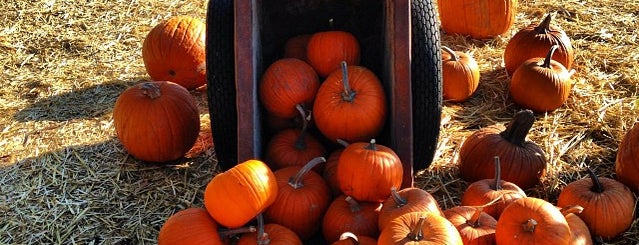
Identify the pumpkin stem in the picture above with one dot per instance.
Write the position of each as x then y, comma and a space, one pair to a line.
372, 146
497, 173
572, 209
349, 235
519, 127
416, 234
296, 181
235, 231
549, 56
348, 94
399, 201
530, 225
342, 142
300, 143
453, 55
474, 219
596, 184
150, 89
262, 237
353, 204
544, 25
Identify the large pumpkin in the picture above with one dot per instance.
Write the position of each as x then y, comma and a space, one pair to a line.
191, 226
627, 163
174, 50
532, 220
477, 18
237, 195
156, 121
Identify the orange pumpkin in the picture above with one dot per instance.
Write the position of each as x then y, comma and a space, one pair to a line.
285, 84
191, 226
174, 50
475, 226
326, 50
477, 18
345, 214
329, 172
236, 196
530, 220
578, 228
156, 121
350, 105
269, 234
420, 228
407, 200
460, 74
627, 162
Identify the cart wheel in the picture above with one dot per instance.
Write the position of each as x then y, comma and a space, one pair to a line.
426, 84
220, 76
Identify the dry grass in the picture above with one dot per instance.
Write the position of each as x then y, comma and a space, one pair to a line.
65, 179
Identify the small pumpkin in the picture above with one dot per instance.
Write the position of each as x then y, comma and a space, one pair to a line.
295, 47
531, 220
420, 228
407, 200
368, 171
535, 41
350, 105
269, 234
460, 74
608, 205
236, 196
329, 172
477, 18
523, 162
541, 85
578, 228
483, 191
286, 83
156, 121
345, 214
348, 238
326, 50
627, 162
174, 50
191, 226
302, 200
475, 226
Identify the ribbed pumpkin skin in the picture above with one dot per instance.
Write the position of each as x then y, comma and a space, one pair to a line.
477, 18
286, 83
483, 233
341, 217
460, 76
325, 51
627, 163
417, 200
156, 121
538, 88
191, 226
436, 230
174, 50
278, 235
282, 152
551, 229
236, 196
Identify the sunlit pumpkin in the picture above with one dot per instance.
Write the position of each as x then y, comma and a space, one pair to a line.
460, 74
531, 220
477, 18
627, 162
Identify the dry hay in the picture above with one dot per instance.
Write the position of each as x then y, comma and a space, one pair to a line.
65, 179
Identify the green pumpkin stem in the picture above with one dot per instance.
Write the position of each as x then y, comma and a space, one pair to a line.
348, 94
544, 25
596, 184
530, 225
497, 174
453, 55
353, 204
372, 146
519, 127
349, 235
300, 143
235, 231
262, 236
296, 181
151, 90
399, 201
416, 234
548, 58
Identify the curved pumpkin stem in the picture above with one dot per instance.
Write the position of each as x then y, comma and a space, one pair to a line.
572, 209
353, 204
544, 25
497, 174
453, 55
296, 181
519, 127
372, 146
342, 142
549, 56
530, 225
349, 235
300, 143
150, 89
416, 233
262, 236
348, 94
235, 231
397, 198
474, 220
596, 184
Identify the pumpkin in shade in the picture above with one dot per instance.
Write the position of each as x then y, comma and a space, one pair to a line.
191, 226
530, 220
350, 105
269, 234
368, 171
535, 41
608, 205
345, 214
475, 226
286, 83
407, 200
236, 196
419, 228
329, 172
348, 238
627, 162
541, 84
326, 50
483, 191
174, 50
302, 199
578, 228
479, 19
460, 75
522, 161
156, 121
295, 47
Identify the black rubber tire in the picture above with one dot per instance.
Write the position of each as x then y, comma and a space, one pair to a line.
426, 75
220, 75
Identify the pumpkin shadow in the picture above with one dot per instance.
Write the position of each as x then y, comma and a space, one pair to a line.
94, 101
